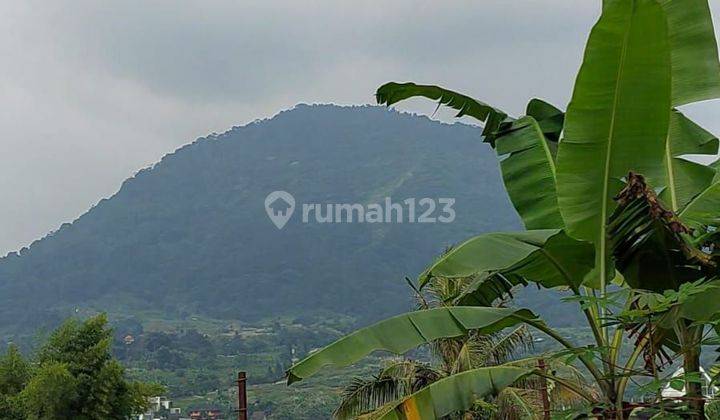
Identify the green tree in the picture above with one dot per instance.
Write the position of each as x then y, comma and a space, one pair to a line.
51, 393
563, 172
74, 377
14, 376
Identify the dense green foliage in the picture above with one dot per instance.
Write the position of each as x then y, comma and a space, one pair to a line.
73, 376
190, 235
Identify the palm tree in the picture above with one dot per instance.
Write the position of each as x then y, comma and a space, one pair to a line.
401, 378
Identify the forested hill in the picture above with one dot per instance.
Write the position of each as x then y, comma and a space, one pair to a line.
190, 235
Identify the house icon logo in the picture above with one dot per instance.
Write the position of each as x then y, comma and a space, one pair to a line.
279, 206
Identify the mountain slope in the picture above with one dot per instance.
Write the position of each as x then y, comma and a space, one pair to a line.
190, 235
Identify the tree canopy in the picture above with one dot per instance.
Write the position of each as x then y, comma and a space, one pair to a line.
73, 376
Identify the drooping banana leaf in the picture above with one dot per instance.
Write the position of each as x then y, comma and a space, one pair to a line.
650, 244
487, 252
693, 51
530, 145
685, 179
452, 394
561, 262
487, 288
548, 257
549, 118
617, 119
528, 170
407, 331
716, 165
392, 92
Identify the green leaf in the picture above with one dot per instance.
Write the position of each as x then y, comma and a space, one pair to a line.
528, 171
703, 307
547, 257
703, 210
693, 51
391, 93
455, 393
561, 261
549, 118
685, 179
487, 252
487, 288
530, 145
407, 331
617, 119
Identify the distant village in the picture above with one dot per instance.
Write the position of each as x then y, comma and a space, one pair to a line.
161, 408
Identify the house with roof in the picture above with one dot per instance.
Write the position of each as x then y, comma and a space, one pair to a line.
280, 207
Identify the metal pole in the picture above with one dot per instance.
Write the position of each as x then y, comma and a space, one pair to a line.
544, 391
242, 396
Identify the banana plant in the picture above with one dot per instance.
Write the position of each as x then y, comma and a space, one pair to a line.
563, 171
659, 254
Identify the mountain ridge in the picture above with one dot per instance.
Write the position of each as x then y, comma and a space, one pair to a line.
189, 234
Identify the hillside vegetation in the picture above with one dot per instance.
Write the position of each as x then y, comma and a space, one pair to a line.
190, 235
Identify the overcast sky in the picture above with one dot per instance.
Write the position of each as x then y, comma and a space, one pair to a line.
92, 91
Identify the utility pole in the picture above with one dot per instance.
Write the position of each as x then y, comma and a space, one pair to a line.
242, 396
544, 390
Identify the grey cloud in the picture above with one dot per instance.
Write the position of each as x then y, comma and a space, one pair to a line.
94, 91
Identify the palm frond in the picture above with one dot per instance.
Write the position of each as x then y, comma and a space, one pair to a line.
518, 404
443, 291
396, 381
501, 348
365, 395
463, 360
451, 354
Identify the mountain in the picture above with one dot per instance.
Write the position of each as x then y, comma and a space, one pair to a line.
190, 235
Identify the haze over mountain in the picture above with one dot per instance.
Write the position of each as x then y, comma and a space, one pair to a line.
190, 235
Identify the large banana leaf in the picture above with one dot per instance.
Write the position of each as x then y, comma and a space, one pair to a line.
693, 51
486, 253
561, 262
685, 179
702, 307
528, 170
547, 257
617, 120
391, 93
452, 394
407, 331
704, 209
